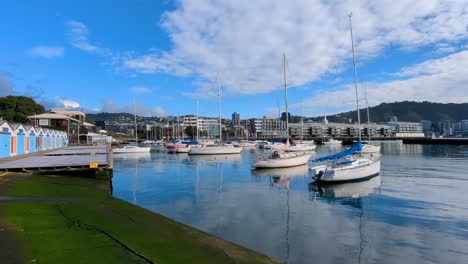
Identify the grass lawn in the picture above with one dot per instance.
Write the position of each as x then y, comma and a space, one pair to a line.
78, 221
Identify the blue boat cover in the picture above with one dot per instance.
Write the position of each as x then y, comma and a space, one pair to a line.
356, 147
190, 142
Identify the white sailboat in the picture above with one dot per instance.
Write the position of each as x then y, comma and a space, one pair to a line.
283, 160
133, 148
344, 166
302, 145
220, 148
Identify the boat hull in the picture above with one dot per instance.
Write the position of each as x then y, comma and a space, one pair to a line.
282, 162
350, 174
215, 150
131, 150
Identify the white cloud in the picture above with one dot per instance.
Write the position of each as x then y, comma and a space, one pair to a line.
47, 52
158, 111
140, 90
109, 106
441, 80
67, 103
244, 40
6, 86
79, 37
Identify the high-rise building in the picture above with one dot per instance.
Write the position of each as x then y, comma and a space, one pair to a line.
392, 119
426, 126
235, 121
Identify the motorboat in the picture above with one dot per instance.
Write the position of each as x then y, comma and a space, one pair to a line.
183, 149
214, 149
131, 149
297, 147
332, 141
245, 144
282, 160
278, 146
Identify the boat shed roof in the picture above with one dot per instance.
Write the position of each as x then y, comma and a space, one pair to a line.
52, 116
67, 112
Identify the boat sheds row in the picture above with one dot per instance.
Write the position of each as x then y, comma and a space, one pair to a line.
19, 139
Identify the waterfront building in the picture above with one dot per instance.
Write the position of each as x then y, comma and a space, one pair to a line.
447, 127
31, 138
70, 121
464, 127
407, 129
190, 120
5, 139
18, 139
426, 126
235, 120
268, 127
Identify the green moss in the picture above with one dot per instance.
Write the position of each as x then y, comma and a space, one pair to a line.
82, 223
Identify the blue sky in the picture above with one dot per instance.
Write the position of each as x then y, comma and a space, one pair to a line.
100, 55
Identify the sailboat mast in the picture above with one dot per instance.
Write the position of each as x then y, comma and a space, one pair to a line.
302, 125
286, 96
219, 107
136, 126
197, 120
368, 115
355, 78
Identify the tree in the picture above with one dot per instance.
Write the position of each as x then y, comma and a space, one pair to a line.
18, 108
190, 131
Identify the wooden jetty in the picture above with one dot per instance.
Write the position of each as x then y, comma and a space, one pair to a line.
74, 158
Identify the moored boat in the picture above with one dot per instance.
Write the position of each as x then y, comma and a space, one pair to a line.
214, 149
131, 149
282, 160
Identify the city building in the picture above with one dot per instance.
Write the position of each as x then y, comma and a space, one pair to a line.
70, 121
392, 119
235, 121
268, 127
407, 129
426, 126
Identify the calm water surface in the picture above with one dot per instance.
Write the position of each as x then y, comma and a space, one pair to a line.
416, 211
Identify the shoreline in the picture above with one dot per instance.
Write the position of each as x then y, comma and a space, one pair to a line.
57, 219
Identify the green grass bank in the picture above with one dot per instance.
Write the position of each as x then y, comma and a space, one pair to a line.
63, 219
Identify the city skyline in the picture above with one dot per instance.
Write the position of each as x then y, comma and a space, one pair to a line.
166, 55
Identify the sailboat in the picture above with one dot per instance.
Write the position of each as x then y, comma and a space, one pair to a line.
283, 160
220, 148
302, 145
345, 166
132, 148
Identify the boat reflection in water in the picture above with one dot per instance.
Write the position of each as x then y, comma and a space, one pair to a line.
281, 179
283, 173
345, 190
132, 156
215, 158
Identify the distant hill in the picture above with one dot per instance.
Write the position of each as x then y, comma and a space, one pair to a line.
406, 111
107, 116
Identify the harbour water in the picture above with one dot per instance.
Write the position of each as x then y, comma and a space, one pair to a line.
416, 211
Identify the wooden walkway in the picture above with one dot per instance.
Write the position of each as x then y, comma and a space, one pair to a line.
70, 157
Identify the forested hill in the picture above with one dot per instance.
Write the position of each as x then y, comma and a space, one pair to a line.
407, 111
